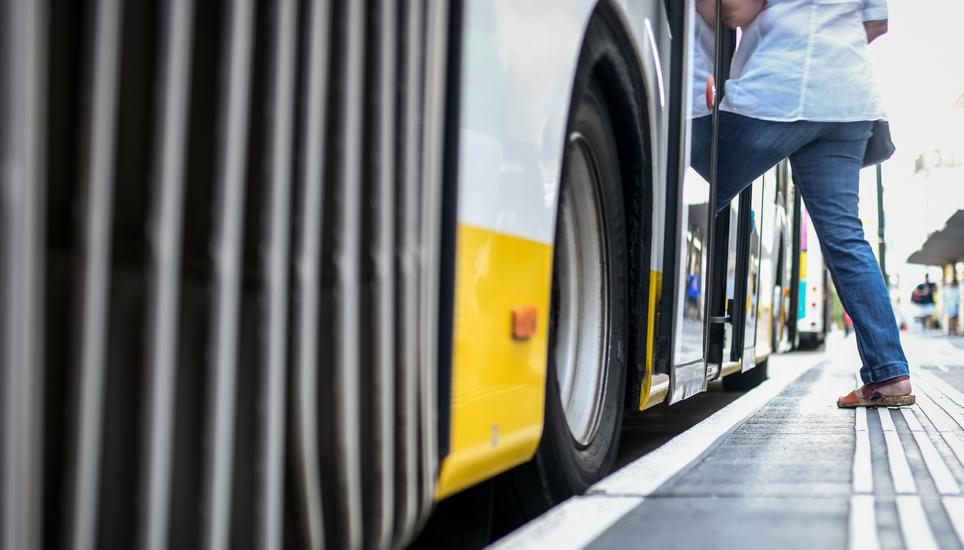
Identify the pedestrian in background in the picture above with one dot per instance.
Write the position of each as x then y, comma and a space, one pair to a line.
694, 289
801, 87
952, 304
923, 296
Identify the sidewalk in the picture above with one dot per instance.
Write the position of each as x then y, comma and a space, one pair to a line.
798, 472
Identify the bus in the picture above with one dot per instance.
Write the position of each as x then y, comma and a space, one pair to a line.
298, 273
813, 315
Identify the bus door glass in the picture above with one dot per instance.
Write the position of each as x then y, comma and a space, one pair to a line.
687, 286
725, 259
738, 264
770, 293
717, 259
744, 257
760, 214
780, 258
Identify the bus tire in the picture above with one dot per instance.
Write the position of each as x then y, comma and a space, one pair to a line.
745, 381
580, 438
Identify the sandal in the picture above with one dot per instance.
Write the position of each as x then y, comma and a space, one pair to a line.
851, 401
873, 397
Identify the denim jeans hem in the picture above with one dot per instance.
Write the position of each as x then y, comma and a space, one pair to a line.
885, 372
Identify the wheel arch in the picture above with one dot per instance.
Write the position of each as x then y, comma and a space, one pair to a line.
617, 67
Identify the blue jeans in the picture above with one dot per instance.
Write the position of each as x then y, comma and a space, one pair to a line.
826, 158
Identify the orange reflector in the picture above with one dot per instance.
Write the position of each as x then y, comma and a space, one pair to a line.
524, 322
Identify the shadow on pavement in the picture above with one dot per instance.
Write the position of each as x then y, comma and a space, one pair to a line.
647, 430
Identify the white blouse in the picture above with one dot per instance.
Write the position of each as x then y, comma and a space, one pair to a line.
806, 60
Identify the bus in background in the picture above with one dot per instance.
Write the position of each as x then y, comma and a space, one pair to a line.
813, 311
776, 264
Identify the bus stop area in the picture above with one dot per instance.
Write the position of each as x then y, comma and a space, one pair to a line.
783, 467
944, 249
404, 275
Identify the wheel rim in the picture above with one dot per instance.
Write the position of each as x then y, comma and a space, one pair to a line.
582, 316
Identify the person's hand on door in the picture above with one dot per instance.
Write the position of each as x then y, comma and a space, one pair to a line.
740, 13
736, 13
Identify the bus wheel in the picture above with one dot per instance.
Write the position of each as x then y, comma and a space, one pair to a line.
588, 318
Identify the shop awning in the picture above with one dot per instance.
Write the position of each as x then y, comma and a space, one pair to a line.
944, 246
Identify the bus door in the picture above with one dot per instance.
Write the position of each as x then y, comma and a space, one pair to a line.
735, 270
695, 289
748, 256
735, 255
680, 347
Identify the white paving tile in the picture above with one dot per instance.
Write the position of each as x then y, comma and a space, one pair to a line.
913, 524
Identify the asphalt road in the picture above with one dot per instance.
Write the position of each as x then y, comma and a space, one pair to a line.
782, 467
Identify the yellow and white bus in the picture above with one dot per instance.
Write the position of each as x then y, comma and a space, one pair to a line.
576, 202
291, 272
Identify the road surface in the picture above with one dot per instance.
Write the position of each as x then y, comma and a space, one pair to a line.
782, 467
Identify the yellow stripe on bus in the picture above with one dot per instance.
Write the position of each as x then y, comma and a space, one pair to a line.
655, 293
498, 383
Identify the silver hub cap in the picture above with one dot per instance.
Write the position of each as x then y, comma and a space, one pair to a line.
582, 320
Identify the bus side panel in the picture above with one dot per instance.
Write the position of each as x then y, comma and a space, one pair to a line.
498, 390
518, 67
